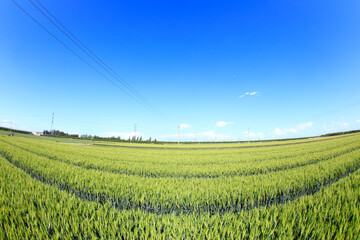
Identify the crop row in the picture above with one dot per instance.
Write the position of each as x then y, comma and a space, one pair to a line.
218, 145
32, 210
186, 157
245, 168
181, 195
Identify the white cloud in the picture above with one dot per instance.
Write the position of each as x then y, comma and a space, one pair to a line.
279, 132
254, 135
357, 121
334, 126
211, 134
202, 136
6, 123
304, 125
223, 124
121, 135
299, 127
184, 125
248, 93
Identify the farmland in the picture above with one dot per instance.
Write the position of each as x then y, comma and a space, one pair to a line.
291, 189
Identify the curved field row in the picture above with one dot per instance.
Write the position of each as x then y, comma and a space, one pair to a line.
123, 204
249, 167
219, 145
151, 170
32, 210
170, 195
186, 158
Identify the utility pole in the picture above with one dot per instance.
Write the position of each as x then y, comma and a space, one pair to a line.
52, 125
178, 134
11, 128
248, 134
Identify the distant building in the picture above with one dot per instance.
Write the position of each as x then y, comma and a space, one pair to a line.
37, 133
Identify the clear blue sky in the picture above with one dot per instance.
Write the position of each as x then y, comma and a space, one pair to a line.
282, 68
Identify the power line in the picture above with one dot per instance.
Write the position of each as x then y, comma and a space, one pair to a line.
88, 52
81, 58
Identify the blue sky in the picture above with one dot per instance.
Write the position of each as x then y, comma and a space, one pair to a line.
282, 68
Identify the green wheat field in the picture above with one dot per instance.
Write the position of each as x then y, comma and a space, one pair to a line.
303, 189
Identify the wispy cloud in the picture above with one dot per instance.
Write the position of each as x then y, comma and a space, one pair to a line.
248, 94
357, 121
298, 128
184, 125
223, 124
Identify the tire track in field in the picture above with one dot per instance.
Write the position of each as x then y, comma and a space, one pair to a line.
153, 175
126, 204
